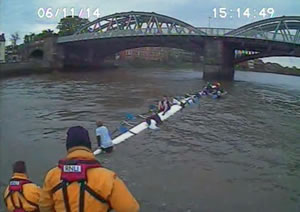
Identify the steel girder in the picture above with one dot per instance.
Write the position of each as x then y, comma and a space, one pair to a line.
137, 23
285, 28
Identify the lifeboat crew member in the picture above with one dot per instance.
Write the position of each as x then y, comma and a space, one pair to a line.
21, 195
80, 183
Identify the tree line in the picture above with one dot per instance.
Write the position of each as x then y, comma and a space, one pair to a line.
66, 26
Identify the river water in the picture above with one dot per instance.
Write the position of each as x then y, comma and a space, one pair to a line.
239, 153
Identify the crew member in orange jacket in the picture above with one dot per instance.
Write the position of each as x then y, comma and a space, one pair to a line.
79, 183
21, 194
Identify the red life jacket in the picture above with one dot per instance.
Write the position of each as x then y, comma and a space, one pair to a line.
76, 171
16, 185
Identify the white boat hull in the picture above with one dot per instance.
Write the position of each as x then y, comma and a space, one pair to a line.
143, 125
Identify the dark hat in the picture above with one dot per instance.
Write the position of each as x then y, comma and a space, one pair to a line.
99, 123
78, 136
19, 167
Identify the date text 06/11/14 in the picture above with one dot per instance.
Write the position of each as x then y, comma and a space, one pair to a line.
64, 12
224, 12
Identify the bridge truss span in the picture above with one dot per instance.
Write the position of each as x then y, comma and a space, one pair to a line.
137, 22
132, 24
285, 29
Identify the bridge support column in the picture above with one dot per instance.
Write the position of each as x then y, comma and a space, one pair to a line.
89, 57
218, 60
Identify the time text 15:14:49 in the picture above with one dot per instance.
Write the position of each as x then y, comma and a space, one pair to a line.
223, 12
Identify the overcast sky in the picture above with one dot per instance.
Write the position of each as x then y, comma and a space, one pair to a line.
22, 15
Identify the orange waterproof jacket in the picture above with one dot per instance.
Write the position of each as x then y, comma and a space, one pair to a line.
27, 198
101, 181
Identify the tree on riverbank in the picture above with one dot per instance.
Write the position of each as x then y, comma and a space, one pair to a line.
34, 37
14, 38
44, 34
69, 25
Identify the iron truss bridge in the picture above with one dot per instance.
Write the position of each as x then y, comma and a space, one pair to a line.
138, 24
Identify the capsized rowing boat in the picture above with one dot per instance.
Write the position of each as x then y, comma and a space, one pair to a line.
177, 106
143, 125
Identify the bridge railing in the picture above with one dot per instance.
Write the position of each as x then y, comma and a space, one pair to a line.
215, 31
258, 34
255, 34
127, 33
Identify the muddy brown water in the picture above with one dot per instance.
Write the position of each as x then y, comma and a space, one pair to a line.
239, 153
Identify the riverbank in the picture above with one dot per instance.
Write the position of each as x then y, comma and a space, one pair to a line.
35, 67
262, 67
274, 68
22, 68
271, 72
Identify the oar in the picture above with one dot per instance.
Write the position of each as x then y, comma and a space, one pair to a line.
121, 129
125, 129
127, 123
132, 117
182, 104
118, 129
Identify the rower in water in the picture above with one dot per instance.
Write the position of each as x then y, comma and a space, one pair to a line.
103, 138
164, 105
218, 91
153, 121
216, 86
209, 87
205, 90
216, 94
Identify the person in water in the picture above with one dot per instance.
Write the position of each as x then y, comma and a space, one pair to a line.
164, 105
205, 90
103, 138
218, 91
154, 117
209, 87
217, 94
216, 86
21, 194
80, 183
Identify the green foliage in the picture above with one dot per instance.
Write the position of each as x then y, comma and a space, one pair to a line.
69, 25
35, 37
26, 39
44, 34
29, 38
